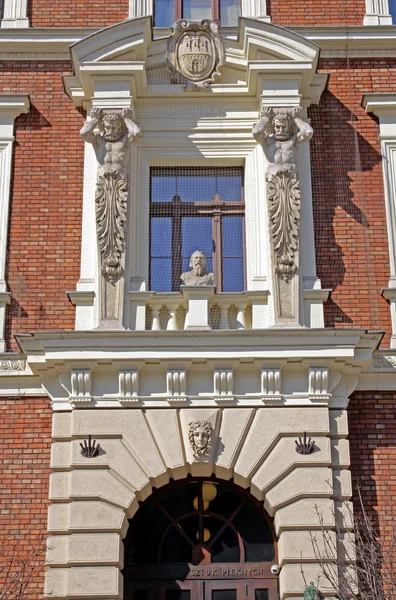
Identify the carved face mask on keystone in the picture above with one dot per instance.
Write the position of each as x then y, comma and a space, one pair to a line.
112, 128
201, 438
282, 128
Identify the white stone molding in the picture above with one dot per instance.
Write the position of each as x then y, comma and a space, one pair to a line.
15, 14
84, 303
271, 384
128, 380
288, 177
223, 385
318, 383
237, 356
384, 107
255, 9
334, 41
314, 298
197, 316
11, 106
91, 501
377, 13
141, 8
176, 385
8, 366
81, 387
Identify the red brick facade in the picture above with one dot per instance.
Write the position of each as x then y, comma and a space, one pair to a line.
102, 13
372, 438
25, 440
348, 195
316, 13
69, 13
46, 200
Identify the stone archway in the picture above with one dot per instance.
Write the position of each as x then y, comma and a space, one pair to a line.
203, 539
92, 499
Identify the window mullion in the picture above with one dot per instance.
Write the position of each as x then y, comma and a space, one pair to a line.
176, 251
178, 9
217, 252
216, 11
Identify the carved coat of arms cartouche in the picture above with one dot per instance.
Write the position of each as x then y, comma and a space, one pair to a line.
195, 50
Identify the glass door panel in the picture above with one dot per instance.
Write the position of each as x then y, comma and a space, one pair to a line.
179, 590
224, 590
264, 589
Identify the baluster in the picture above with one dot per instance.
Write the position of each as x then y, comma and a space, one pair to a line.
172, 322
156, 324
241, 316
224, 323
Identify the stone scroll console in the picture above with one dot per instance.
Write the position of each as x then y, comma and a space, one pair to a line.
111, 133
280, 132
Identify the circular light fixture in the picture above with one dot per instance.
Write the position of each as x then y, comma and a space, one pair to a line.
206, 535
209, 491
195, 504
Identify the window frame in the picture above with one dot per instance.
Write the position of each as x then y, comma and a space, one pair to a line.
217, 209
178, 11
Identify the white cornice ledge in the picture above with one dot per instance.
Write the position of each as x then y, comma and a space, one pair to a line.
379, 103
389, 293
358, 40
317, 294
78, 298
5, 298
12, 105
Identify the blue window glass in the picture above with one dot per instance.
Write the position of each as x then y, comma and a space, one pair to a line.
196, 188
233, 262
164, 13
163, 188
392, 10
229, 12
196, 208
197, 9
161, 254
197, 235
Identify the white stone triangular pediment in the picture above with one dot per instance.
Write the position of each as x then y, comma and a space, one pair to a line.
128, 50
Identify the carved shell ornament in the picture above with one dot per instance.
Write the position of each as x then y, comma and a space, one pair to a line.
195, 50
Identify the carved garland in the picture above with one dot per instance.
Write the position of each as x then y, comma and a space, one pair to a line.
284, 211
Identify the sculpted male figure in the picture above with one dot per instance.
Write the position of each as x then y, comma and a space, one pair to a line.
110, 144
110, 133
198, 274
280, 133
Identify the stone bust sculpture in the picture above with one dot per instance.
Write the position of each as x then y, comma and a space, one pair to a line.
198, 274
200, 437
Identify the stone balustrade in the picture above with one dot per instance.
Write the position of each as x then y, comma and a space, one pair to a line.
198, 308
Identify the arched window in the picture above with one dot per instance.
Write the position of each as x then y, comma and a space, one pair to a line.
200, 540
223, 12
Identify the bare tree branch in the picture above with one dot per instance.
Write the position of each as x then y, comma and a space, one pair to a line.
18, 570
362, 563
